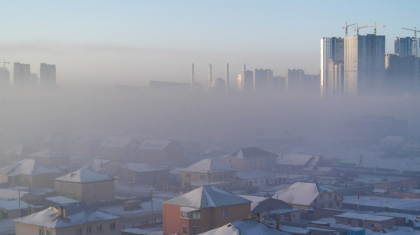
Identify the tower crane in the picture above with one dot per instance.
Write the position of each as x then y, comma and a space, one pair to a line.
358, 28
347, 26
415, 31
376, 26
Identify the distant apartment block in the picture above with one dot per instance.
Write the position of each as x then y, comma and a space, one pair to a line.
262, 78
21, 74
48, 74
407, 46
332, 51
364, 63
4, 77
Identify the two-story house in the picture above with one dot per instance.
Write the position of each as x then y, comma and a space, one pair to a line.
252, 158
203, 209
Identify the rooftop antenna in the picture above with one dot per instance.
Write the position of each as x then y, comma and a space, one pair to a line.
347, 27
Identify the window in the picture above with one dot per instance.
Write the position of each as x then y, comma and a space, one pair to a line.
41, 231
48, 232
89, 229
188, 175
184, 229
99, 228
79, 231
194, 230
112, 226
224, 214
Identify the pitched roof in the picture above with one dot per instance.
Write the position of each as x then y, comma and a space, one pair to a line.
294, 159
300, 193
13, 204
21, 150
118, 142
251, 152
257, 200
154, 144
208, 166
76, 214
29, 167
244, 227
359, 216
59, 137
47, 153
143, 167
85, 175
207, 196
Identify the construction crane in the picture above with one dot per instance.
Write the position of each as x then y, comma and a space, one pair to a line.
415, 31
347, 26
376, 26
361, 27
4, 63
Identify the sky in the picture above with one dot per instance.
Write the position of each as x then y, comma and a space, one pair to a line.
102, 43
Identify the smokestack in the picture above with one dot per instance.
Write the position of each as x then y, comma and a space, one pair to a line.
192, 76
227, 76
210, 74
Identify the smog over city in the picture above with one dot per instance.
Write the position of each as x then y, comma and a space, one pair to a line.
209, 117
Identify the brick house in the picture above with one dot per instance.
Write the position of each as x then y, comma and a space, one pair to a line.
160, 152
299, 163
30, 173
50, 157
308, 196
246, 159
203, 209
120, 148
86, 185
143, 174
243, 227
69, 219
208, 171
58, 142
372, 222
86, 146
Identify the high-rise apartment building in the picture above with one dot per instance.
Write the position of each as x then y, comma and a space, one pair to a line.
294, 79
364, 63
262, 78
4, 76
21, 74
48, 74
246, 80
408, 46
332, 48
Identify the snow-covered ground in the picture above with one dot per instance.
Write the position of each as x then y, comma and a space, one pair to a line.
406, 203
371, 179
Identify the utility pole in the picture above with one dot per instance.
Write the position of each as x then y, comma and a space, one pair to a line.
151, 202
19, 201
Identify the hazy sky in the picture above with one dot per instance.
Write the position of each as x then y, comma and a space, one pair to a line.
132, 42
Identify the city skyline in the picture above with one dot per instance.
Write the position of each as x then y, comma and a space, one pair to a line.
158, 41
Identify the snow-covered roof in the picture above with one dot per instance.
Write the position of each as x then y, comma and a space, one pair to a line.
176, 171
60, 200
351, 215
208, 166
88, 140
300, 193
76, 214
143, 167
254, 174
293, 230
13, 204
9, 194
255, 200
154, 144
244, 227
251, 152
85, 175
118, 142
207, 196
46, 153
29, 167
34, 191
21, 150
294, 159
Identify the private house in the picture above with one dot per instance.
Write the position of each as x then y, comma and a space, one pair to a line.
203, 209
306, 196
247, 159
244, 227
30, 173
372, 222
58, 142
299, 163
18, 154
50, 157
10, 209
87, 147
69, 219
208, 172
143, 174
120, 148
160, 152
86, 185
263, 208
